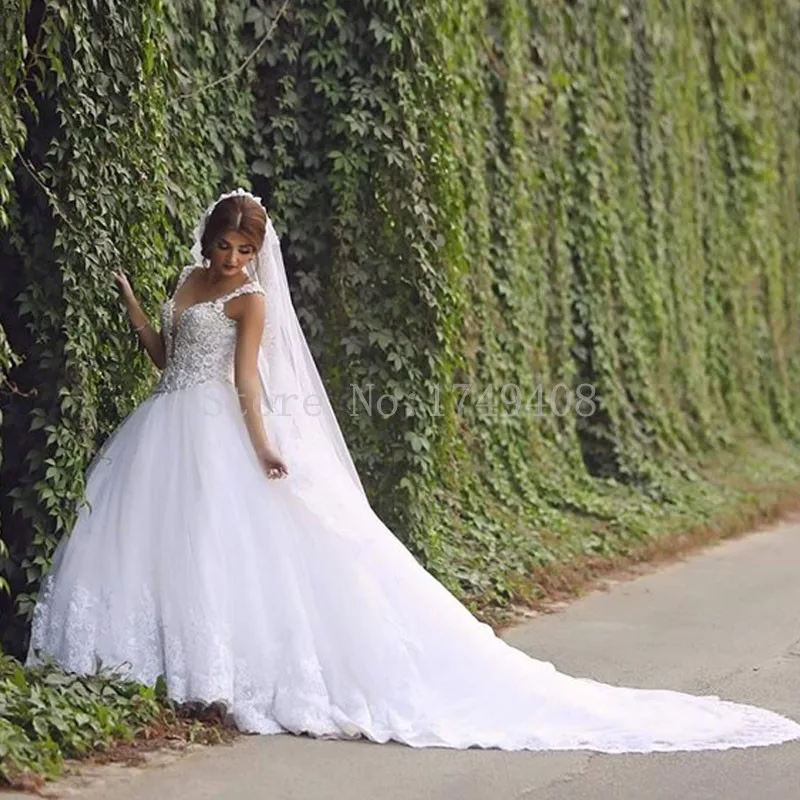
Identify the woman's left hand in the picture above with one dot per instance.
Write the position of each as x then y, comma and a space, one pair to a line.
273, 464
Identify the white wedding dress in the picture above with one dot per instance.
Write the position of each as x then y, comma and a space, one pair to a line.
291, 602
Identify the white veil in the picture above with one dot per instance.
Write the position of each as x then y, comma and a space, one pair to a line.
297, 411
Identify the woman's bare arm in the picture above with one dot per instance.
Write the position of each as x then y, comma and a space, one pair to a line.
151, 339
248, 339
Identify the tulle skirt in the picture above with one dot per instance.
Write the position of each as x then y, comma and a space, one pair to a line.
290, 602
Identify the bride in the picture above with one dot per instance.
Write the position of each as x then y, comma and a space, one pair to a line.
226, 543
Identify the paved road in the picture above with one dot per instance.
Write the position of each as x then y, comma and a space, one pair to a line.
726, 621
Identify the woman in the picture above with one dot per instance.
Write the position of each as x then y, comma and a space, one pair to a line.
232, 549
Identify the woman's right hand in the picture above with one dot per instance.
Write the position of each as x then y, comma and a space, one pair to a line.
124, 284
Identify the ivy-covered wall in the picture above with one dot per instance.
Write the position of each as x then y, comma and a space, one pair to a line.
559, 238
561, 235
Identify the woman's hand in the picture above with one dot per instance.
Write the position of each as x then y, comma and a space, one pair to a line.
124, 285
152, 340
273, 464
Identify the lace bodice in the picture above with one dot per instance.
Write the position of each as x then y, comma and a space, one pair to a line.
200, 344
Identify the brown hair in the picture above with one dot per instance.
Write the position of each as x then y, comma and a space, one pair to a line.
239, 213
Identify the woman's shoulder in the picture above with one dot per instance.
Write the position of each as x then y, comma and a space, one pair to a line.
250, 287
248, 301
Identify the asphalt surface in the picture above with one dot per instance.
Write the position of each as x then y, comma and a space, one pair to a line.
725, 621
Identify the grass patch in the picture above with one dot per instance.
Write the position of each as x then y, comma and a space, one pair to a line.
48, 716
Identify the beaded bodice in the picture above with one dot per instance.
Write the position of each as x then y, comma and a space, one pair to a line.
200, 342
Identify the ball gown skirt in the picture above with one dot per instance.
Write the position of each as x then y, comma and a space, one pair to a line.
293, 604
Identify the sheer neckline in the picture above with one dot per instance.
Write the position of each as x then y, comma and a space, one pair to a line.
173, 306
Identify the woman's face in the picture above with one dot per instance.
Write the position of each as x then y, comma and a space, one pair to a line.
231, 252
